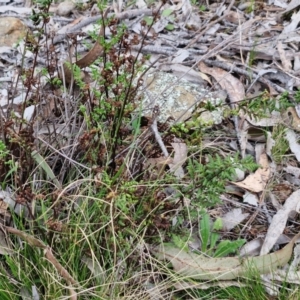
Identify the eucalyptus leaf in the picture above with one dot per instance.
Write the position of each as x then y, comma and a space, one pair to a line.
199, 267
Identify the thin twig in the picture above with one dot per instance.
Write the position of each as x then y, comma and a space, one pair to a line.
201, 33
158, 137
34, 242
89, 20
228, 67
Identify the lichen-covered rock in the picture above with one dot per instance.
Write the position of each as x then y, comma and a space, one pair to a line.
177, 99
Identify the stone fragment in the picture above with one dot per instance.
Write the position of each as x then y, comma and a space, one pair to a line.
12, 30
175, 98
65, 8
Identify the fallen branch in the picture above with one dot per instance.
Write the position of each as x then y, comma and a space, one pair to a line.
89, 20
34, 242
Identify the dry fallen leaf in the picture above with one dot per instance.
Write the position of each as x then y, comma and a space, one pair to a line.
295, 19
279, 221
292, 138
3, 207
186, 9
184, 72
5, 248
282, 191
180, 156
250, 198
286, 63
257, 182
141, 4
180, 56
199, 267
229, 83
234, 17
9, 199
233, 218
251, 248
292, 170
290, 276
156, 166
95, 267
183, 285
236, 93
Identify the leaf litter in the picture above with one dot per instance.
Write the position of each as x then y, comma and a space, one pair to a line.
237, 61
